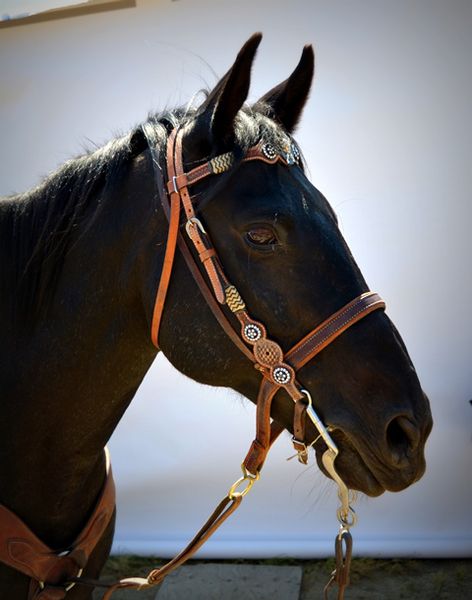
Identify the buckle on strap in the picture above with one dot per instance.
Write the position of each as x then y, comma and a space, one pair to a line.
177, 182
301, 451
66, 587
194, 222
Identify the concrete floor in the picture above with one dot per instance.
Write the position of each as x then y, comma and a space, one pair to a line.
222, 582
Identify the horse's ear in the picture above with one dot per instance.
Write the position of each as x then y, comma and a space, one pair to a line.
225, 100
287, 99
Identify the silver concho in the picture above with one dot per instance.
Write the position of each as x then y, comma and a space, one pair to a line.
269, 151
281, 375
252, 332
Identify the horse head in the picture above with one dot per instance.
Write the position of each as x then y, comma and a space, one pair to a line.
278, 240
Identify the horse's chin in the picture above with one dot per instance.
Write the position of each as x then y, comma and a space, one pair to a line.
356, 475
367, 471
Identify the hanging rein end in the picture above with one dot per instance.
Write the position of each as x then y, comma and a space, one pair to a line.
133, 583
343, 554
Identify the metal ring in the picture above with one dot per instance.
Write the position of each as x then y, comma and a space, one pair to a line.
346, 519
247, 477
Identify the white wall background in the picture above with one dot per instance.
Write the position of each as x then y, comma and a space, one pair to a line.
387, 135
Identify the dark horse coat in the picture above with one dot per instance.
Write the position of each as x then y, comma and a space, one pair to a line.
80, 261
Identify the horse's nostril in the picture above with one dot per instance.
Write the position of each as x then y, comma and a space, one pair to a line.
402, 438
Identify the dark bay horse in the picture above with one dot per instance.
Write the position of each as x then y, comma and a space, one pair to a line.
80, 262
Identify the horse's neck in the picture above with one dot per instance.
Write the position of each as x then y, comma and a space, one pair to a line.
73, 374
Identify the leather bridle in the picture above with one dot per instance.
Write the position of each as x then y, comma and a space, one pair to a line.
278, 370
51, 573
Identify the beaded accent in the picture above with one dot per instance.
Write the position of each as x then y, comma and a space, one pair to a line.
233, 299
222, 163
291, 154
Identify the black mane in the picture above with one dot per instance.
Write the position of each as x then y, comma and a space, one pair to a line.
36, 227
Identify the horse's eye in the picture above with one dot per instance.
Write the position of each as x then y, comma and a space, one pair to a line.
261, 236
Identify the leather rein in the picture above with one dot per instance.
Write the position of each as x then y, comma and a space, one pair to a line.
53, 574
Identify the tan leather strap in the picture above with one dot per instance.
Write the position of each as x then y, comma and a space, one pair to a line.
22, 550
299, 426
194, 228
332, 327
174, 221
195, 272
224, 509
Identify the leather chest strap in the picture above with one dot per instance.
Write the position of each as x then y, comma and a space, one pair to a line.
22, 550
